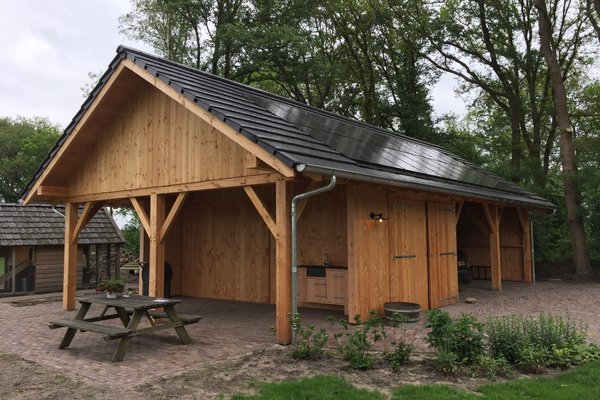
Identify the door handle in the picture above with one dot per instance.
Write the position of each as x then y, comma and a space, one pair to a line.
406, 256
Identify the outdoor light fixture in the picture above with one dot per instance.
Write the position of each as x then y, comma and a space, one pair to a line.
377, 217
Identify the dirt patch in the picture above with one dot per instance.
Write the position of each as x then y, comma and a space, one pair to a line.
21, 379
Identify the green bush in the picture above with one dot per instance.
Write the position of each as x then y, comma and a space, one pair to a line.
401, 350
462, 336
309, 345
400, 355
534, 343
354, 345
491, 367
446, 362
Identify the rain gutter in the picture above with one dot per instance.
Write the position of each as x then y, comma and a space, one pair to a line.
306, 195
386, 181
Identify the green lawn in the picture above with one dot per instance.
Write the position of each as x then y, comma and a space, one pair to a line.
582, 383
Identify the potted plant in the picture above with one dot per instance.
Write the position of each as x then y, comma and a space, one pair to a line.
112, 286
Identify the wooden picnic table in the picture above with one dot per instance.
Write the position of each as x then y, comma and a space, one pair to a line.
131, 310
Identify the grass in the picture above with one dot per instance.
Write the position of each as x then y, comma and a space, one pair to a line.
582, 383
317, 388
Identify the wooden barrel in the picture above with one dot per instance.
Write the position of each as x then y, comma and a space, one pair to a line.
410, 311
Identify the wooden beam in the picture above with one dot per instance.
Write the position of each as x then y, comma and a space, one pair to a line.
459, 207
157, 248
283, 255
206, 116
178, 188
262, 210
492, 214
483, 227
89, 210
172, 215
70, 257
139, 209
53, 191
527, 245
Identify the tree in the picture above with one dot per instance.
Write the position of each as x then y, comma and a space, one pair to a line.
567, 147
340, 55
24, 144
491, 46
592, 8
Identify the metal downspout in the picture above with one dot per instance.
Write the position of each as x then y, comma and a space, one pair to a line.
295, 200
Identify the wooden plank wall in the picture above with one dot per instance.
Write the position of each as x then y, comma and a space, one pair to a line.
49, 268
368, 250
511, 246
473, 239
322, 229
154, 141
408, 251
441, 239
226, 247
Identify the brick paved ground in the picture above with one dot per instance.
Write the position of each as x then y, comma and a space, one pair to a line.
232, 328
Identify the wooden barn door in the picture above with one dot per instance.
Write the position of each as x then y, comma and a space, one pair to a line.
443, 274
408, 251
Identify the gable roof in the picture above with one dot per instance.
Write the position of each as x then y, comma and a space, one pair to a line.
40, 225
313, 140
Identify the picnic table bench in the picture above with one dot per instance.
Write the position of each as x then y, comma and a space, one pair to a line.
130, 310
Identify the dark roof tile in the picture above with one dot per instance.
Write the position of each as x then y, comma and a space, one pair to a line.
40, 225
298, 134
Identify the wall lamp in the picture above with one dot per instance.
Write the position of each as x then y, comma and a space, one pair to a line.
377, 217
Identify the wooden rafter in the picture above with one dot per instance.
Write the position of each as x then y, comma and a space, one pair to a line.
206, 116
172, 215
262, 210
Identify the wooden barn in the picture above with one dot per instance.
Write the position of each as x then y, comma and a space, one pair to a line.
247, 195
32, 248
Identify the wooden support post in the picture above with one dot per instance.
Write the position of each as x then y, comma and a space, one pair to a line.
493, 214
108, 260
526, 241
118, 261
13, 261
283, 255
157, 248
70, 257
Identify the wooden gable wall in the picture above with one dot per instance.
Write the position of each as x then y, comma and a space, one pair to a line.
153, 141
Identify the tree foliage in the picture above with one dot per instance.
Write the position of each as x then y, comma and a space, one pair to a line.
339, 55
376, 60
24, 144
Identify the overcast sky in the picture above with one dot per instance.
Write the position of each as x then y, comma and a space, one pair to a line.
48, 47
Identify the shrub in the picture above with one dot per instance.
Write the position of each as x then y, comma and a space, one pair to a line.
491, 367
401, 350
354, 345
309, 345
533, 344
446, 362
462, 336
400, 355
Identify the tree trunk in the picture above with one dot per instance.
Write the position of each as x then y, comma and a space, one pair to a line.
567, 148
